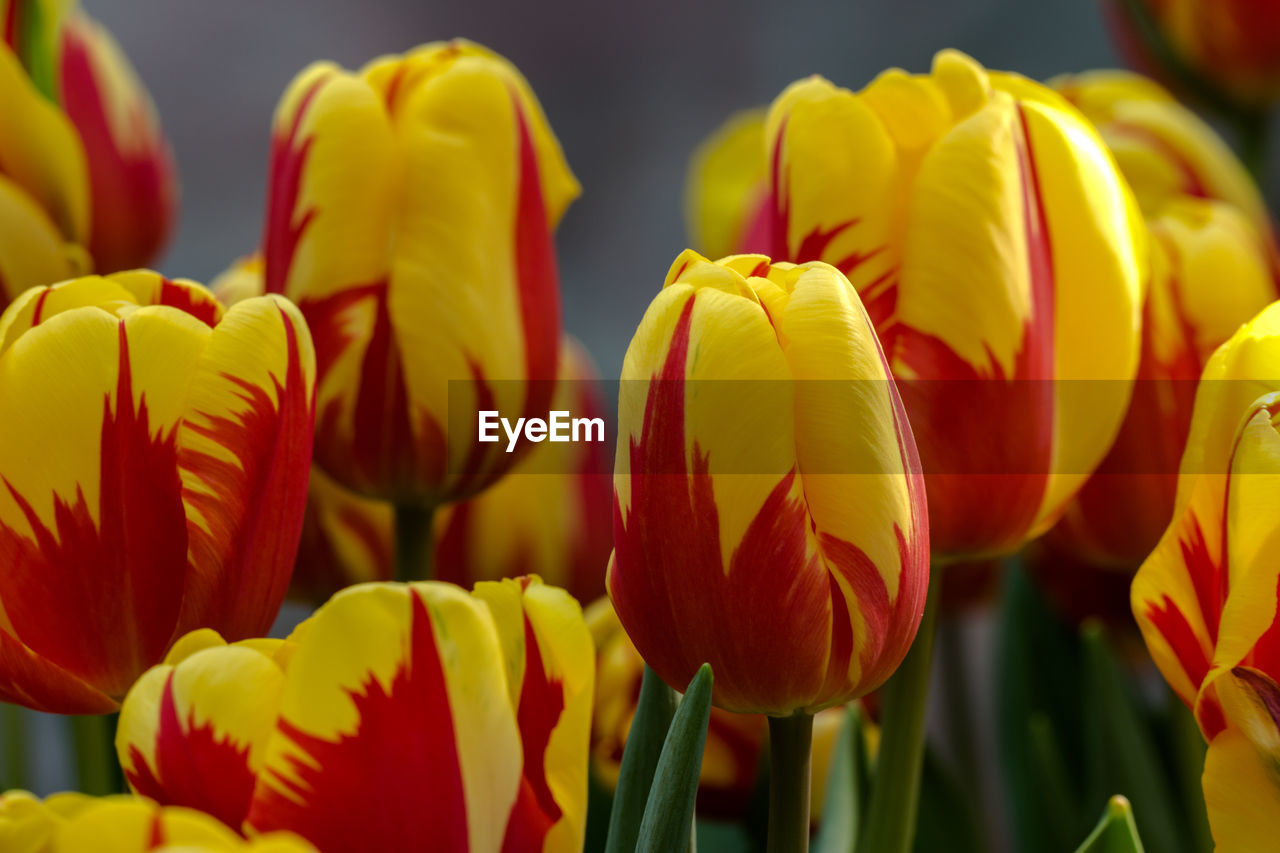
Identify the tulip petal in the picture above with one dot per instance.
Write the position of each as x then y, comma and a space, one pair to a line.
32, 250
244, 449
394, 704
84, 575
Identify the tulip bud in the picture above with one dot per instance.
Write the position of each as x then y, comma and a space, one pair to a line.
175, 495
410, 213
997, 251
1225, 51
1206, 597
769, 510
133, 184
193, 729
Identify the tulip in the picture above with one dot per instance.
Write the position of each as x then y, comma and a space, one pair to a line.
89, 180
410, 213
997, 250
176, 511
193, 729
133, 185
788, 546
727, 188
486, 696
1163, 149
1228, 50
1208, 274
71, 823
735, 744
1205, 599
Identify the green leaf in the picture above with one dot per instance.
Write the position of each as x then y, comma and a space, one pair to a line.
654, 710
848, 784
1038, 678
1116, 832
668, 817
946, 819
1123, 753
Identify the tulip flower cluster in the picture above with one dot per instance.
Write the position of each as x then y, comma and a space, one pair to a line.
924, 323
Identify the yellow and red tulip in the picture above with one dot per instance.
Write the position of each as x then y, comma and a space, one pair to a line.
88, 178
397, 717
410, 214
735, 745
155, 481
194, 728
75, 823
769, 511
1163, 149
1230, 47
1206, 597
998, 252
1208, 274
133, 185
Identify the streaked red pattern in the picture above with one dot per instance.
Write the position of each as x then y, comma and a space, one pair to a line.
132, 187
206, 310
398, 770
242, 563
287, 160
952, 422
195, 766
101, 601
774, 627
542, 704
1192, 184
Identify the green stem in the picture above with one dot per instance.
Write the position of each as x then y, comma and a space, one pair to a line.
891, 819
415, 543
92, 738
790, 746
16, 771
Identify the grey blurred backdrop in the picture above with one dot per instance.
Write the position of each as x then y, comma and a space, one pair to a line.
630, 89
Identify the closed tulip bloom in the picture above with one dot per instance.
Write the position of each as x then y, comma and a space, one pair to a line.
1229, 47
194, 728
1208, 275
483, 699
769, 513
997, 251
410, 214
89, 180
133, 184
1165, 151
174, 494
1206, 597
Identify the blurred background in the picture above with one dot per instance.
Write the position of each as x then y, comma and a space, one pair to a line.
630, 89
